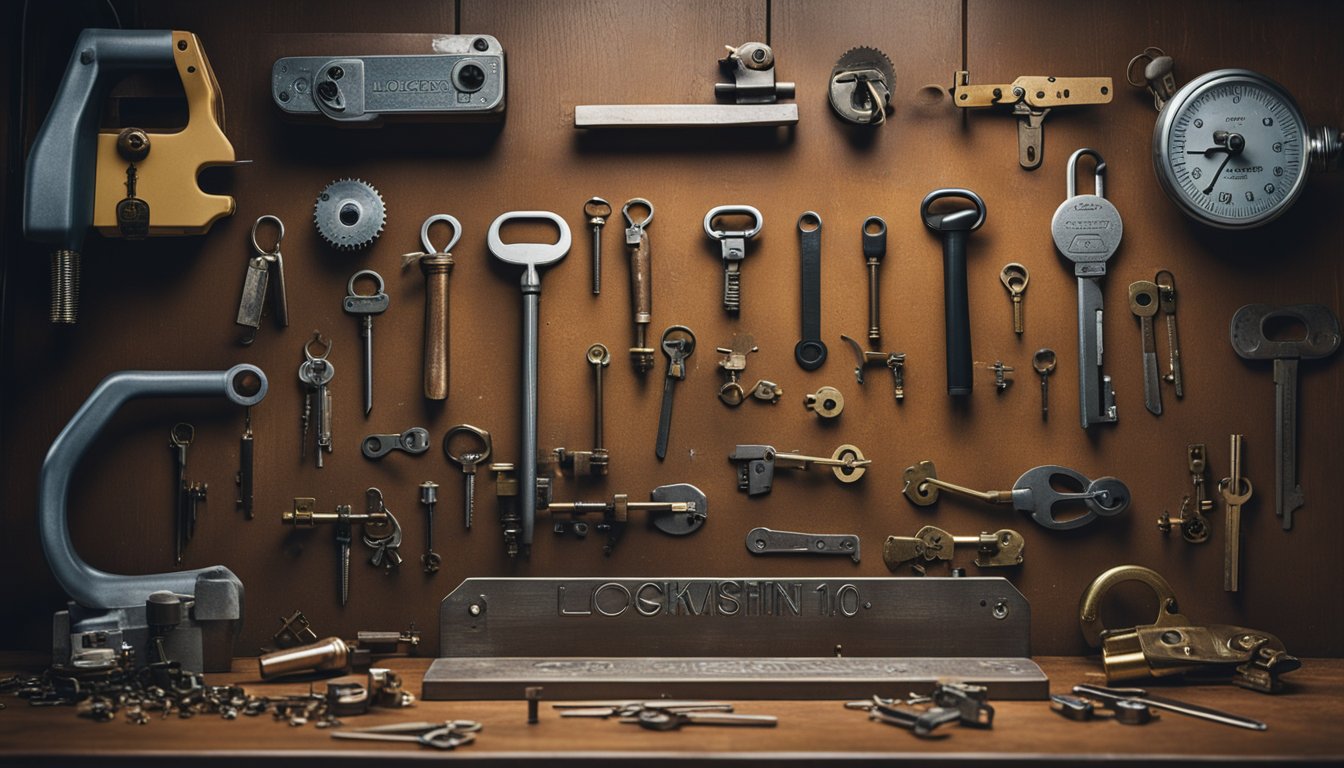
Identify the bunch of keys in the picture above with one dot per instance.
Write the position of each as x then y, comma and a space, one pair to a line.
316, 372
258, 277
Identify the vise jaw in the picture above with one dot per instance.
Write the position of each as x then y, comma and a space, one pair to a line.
107, 614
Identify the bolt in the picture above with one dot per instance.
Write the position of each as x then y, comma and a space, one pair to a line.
533, 695
474, 609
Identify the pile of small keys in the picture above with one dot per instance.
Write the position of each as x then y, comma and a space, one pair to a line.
666, 715
949, 703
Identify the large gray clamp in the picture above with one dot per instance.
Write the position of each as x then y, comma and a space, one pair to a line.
109, 612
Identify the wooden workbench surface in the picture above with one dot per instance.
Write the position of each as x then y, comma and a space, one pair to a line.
1302, 727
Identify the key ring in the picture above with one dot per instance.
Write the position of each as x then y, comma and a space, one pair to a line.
182, 434
321, 340
463, 458
424, 236
1043, 361
369, 273
729, 210
274, 253
630, 222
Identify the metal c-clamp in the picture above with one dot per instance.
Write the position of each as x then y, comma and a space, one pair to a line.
1173, 644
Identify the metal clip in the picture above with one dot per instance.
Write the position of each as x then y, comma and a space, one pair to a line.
1173, 644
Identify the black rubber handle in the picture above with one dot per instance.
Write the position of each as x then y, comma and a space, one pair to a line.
810, 351
955, 227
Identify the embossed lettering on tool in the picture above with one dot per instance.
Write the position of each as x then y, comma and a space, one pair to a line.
457, 77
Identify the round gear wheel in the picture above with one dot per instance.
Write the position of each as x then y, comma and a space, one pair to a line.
349, 214
861, 84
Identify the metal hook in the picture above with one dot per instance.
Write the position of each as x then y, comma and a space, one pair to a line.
424, 234
320, 340
480, 434
1098, 173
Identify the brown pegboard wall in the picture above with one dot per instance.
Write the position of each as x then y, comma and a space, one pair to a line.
170, 304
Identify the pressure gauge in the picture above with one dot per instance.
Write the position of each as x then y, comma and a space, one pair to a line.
1232, 150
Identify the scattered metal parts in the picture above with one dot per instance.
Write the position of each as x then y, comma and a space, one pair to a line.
259, 274
295, 630
1192, 522
733, 243
1125, 711
479, 442
1015, 278
446, 735
387, 691
327, 654
764, 541
671, 720
349, 214
383, 535
1087, 231
757, 464
874, 232
389, 643
414, 441
960, 703
629, 709
315, 373
641, 281
1002, 548
1043, 362
1143, 303
429, 498
1166, 289
754, 91
861, 83
1236, 490
189, 495
1031, 98
1132, 698
597, 210
347, 698
810, 352
955, 228
678, 344
1034, 492
1251, 342
365, 306
529, 256
597, 461
437, 266
1001, 371
767, 391
733, 364
894, 361
1158, 74
677, 510
826, 402
1173, 644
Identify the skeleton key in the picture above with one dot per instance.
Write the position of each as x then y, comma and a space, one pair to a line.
468, 461
429, 497
733, 244
366, 305
993, 550
1250, 342
1044, 364
641, 281
1015, 277
1166, 287
874, 233
1087, 231
678, 344
597, 210
1143, 302
316, 372
1236, 491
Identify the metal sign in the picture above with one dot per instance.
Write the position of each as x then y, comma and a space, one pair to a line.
740, 637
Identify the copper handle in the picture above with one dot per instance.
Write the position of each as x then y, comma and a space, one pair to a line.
437, 269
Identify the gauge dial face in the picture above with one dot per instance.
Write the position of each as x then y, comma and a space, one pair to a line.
1231, 149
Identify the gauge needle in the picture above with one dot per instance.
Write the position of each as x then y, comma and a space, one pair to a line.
1231, 143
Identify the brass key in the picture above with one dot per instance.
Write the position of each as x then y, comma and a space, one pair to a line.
1236, 491
597, 210
1166, 286
1014, 277
1044, 364
998, 549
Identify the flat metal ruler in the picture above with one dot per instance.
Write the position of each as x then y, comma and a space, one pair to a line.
732, 638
